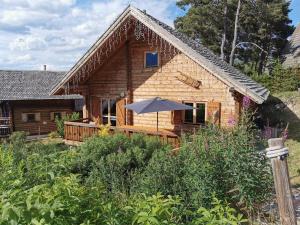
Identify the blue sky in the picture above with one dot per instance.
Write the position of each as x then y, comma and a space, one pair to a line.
295, 13
58, 32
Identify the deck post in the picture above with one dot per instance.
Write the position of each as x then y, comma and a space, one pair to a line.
278, 155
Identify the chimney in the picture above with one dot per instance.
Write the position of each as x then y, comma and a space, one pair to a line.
45, 67
145, 11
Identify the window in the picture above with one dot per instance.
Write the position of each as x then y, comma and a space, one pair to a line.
31, 117
196, 115
109, 111
59, 115
151, 59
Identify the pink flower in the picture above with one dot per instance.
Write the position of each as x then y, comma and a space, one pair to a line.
231, 121
267, 133
285, 134
246, 102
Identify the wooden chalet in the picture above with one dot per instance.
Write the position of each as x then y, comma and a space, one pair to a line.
138, 58
26, 103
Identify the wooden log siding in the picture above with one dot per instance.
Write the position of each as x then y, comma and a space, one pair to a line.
78, 132
124, 72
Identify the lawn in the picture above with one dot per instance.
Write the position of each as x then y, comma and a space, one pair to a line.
293, 142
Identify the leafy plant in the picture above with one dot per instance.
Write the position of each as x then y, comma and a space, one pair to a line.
280, 79
219, 214
60, 122
104, 130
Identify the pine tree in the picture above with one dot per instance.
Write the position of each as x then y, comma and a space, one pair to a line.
262, 27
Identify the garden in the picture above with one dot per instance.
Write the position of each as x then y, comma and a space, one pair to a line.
217, 177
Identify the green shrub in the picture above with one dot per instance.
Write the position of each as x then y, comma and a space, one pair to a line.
115, 160
53, 135
41, 189
280, 79
60, 122
17, 145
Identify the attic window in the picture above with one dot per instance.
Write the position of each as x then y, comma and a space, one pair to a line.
151, 59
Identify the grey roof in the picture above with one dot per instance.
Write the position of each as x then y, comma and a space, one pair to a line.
30, 85
195, 50
292, 50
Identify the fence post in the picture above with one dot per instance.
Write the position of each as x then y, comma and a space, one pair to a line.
278, 155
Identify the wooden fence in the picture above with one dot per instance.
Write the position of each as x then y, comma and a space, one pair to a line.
78, 131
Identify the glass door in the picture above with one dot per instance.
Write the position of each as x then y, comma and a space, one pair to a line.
108, 112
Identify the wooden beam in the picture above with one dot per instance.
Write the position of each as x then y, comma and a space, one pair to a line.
278, 154
129, 113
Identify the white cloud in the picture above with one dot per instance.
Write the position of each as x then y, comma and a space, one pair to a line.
19, 59
58, 32
28, 43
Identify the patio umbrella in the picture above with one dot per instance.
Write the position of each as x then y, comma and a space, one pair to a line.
156, 105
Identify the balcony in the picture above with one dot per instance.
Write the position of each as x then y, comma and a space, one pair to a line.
77, 131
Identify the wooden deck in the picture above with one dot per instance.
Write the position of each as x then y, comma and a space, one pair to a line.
5, 126
78, 131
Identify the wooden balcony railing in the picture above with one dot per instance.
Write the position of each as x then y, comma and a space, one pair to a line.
78, 131
5, 126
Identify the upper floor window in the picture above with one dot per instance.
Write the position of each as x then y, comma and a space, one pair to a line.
151, 59
196, 115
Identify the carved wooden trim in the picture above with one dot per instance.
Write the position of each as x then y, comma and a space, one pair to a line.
188, 80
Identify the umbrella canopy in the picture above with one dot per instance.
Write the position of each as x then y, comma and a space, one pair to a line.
156, 105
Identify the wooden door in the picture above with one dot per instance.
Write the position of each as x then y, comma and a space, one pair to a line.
95, 106
121, 112
214, 112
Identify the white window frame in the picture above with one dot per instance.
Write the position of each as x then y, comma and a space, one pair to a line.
145, 60
195, 112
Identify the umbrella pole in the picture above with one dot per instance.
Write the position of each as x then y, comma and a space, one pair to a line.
157, 122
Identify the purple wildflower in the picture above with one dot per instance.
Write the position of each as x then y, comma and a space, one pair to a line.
246, 102
267, 133
231, 121
285, 134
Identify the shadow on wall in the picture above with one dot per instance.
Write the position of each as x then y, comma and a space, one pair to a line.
278, 111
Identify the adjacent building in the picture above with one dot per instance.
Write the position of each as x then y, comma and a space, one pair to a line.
292, 50
26, 103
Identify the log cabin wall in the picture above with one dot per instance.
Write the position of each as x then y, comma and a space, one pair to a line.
45, 124
111, 80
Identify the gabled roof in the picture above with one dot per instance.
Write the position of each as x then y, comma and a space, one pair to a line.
30, 85
193, 49
292, 50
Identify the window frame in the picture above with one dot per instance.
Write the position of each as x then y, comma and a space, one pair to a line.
145, 60
52, 114
194, 112
108, 116
37, 117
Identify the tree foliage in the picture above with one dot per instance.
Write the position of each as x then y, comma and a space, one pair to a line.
262, 23
279, 79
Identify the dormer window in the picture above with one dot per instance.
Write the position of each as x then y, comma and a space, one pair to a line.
151, 59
